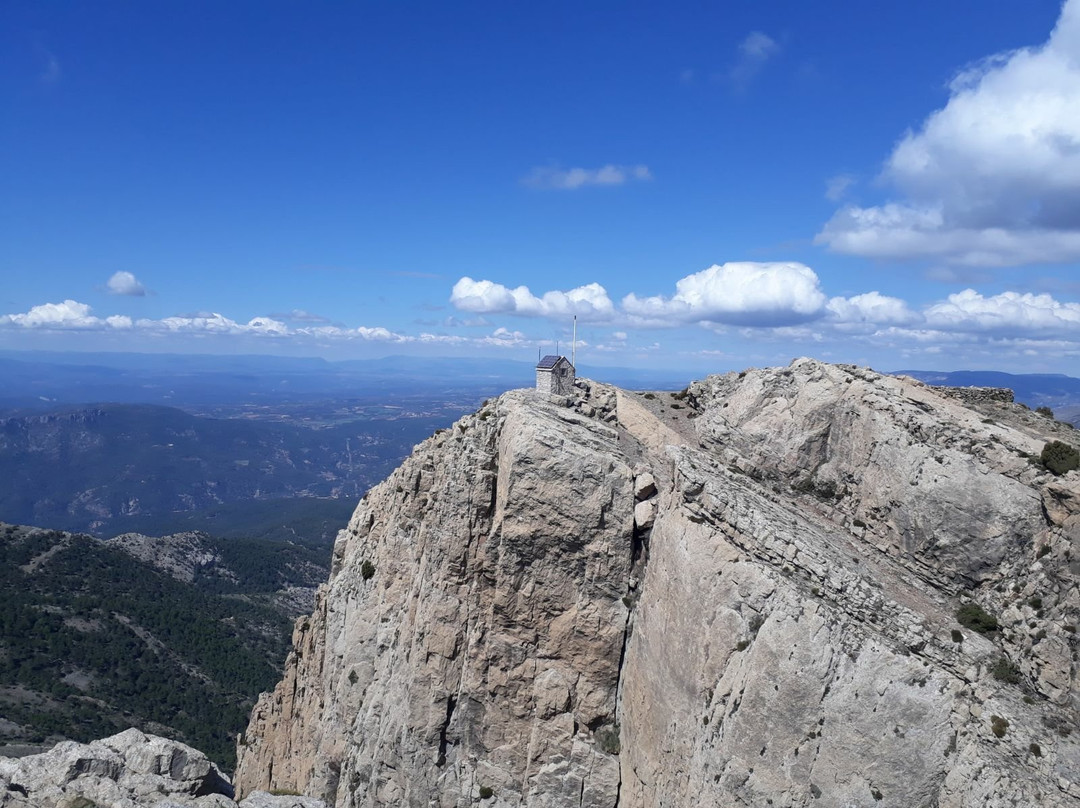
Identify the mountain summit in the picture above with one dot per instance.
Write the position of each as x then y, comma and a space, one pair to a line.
811, 585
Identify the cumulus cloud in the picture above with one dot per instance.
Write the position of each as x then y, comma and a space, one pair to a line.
68, 314
1008, 313
784, 300
754, 51
992, 178
124, 283
590, 302
737, 293
871, 308
571, 179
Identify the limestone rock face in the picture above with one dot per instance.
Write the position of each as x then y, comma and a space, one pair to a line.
129, 769
745, 593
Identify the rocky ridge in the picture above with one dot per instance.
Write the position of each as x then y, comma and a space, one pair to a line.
128, 770
745, 593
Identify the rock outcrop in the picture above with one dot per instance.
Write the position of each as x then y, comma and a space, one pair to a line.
812, 585
129, 770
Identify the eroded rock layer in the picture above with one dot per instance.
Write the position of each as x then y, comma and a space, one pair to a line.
746, 593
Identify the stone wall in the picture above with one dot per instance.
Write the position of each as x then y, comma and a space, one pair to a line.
559, 381
977, 395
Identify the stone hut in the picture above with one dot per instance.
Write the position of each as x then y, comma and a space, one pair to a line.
555, 376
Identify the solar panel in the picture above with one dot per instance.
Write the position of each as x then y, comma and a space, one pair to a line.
548, 361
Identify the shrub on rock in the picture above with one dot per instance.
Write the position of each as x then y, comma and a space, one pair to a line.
1060, 457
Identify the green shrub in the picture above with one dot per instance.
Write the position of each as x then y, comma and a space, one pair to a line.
1060, 457
1035, 749
607, 738
957, 635
1005, 671
1045, 411
975, 617
486, 793
367, 570
1043, 551
999, 726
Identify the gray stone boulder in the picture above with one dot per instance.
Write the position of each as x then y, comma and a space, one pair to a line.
128, 770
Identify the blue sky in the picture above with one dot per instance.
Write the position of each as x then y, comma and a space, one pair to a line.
706, 186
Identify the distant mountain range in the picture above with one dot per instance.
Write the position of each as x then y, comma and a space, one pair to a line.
41, 379
110, 468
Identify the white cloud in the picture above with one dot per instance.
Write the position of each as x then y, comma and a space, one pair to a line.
737, 293
590, 302
754, 51
570, 179
211, 323
124, 283
758, 302
903, 231
992, 178
68, 314
871, 308
504, 338
1008, 313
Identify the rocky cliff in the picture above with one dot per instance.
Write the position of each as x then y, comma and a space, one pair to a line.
812, 585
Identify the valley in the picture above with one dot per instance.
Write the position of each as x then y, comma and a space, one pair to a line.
173, 634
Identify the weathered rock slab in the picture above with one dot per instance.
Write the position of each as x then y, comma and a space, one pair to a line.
747, 594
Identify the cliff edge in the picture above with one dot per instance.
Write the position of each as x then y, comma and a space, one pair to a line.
811, 585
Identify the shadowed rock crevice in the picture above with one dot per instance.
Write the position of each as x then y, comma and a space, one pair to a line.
451, 703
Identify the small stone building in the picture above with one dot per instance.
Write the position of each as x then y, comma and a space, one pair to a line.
555, 376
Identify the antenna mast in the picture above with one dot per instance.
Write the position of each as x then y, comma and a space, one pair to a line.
573, 345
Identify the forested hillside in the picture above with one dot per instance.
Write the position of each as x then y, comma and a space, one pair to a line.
94, 640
